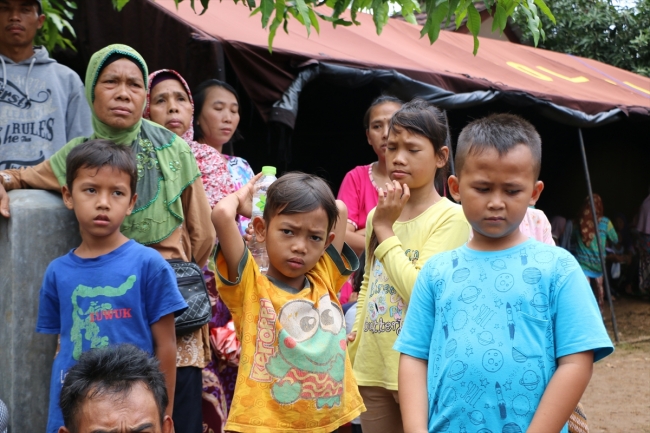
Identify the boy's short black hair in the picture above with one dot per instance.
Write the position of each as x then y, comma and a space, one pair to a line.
501, 132
112, 370
297, 192
97, 154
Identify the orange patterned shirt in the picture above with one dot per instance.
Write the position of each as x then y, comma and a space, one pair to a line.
294, 370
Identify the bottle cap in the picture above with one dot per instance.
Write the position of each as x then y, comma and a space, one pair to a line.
268, 170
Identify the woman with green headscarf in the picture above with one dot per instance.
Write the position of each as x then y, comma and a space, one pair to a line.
171, 214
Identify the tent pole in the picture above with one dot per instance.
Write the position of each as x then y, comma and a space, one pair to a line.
449, 146
600, 249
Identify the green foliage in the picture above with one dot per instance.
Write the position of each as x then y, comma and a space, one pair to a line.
276, 13
438, 11
599, 30
57, 32
119, 4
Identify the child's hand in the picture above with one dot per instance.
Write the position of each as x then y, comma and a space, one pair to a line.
352, 336
390, 205
245, 196
250, 231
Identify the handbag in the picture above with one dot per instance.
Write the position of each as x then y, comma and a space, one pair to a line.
191, 285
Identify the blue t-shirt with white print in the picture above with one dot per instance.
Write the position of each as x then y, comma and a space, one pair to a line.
107, 300
492, 326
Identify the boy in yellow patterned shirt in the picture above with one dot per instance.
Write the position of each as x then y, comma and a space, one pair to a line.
294, 371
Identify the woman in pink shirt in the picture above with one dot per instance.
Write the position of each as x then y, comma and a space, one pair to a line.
359, 187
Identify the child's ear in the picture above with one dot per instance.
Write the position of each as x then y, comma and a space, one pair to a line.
132, 203
167, 425
259, 228
454, 187
67, 197
442, 156
537, 191
330, 239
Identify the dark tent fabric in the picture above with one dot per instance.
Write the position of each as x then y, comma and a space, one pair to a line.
569, 89
328, 138
574, 90
405, 88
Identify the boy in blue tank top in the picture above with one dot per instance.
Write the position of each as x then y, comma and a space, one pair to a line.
109, 290
501, 333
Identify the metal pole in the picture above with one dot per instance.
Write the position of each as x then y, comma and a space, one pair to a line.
449, 146
600, 248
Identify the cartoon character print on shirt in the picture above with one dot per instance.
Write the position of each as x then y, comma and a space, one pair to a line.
310, 361
384, 307
85, 324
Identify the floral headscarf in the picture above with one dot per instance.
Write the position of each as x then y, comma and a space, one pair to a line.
215, 175
189, 134
587, 228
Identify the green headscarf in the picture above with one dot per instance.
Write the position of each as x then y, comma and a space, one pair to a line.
166, 165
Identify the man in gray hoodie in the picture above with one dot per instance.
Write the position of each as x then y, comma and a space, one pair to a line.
42, 103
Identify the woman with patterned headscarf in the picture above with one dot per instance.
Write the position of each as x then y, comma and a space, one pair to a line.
172, 213
170, 104
587, 252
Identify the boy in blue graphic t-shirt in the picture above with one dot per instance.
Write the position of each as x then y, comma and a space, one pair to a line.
109, 290
502, 333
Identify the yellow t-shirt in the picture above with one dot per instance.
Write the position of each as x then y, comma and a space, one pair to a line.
294, 371
387, 285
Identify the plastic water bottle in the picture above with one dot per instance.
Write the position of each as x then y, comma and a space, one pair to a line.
258, 249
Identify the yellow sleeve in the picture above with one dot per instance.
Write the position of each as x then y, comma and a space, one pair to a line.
446, 232
233, 293
335, 267
363, 291
359, 316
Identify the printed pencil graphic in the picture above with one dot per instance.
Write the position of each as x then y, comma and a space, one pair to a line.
502, 402
511, 322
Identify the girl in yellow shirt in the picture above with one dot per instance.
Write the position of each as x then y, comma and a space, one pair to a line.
411, 223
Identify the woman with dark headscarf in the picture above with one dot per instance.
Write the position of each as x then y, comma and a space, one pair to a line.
171, 214
587, 252
170, 104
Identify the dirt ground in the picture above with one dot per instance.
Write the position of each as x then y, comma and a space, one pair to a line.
618, 397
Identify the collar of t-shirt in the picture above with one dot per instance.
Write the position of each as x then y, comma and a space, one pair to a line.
287, 288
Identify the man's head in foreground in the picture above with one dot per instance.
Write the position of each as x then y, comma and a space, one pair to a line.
117, 389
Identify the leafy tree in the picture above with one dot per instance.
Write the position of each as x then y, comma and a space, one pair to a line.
599, 30
276, 13
57, 32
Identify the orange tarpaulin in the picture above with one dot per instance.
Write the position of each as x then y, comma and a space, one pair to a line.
576, 83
